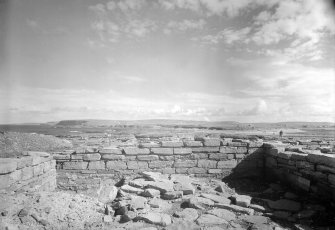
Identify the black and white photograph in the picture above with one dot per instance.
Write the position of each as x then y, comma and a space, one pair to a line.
167, 114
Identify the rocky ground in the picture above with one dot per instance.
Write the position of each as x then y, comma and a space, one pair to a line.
156, 201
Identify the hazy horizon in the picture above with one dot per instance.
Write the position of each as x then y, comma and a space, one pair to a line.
209, 60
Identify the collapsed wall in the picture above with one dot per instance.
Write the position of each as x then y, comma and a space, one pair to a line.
307, 170
33, 171
87, 168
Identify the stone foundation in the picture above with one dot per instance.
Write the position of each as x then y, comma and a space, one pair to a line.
34, 171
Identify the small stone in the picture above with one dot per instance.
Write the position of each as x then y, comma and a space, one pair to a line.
130, 215
216, 198
108, 218
131, 189
151, 193
47, 210
187, 214
4, 213
199, 202
242, 200
257, 207
172, 195
23, 212
43, 222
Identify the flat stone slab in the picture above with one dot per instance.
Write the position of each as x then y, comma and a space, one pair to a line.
222, 213
130, 189
199, 202
187, 214
255, 219
216, 198
235, 208
284, 204
208, 219
156, 218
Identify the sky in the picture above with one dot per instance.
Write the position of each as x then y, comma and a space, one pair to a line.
212, 60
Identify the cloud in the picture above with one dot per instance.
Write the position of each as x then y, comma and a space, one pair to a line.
133, 79
140, 28
184, 25
228, 36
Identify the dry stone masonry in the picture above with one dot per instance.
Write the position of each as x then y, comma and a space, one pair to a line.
82, 168
34, 171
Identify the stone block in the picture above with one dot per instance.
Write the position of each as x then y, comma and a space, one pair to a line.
111, 150
239, 156
327, 169
208, 164
305, 165
212, 142
228, 164
218, 156
130, 158
75, 165
61, 156
150, 145
168, 170
255, 150
7, 165
147, 157
172, 144
238, 144
228, 149
196, 170
255, 144
214, 171
185, 163
167, 158
38, 169
137, 165
182, 151
194, 156
92, 157
181, 170
193, 143
113, 157
35, 154
242, 150
94, 165
270, 162
24, 162
323, 159
116, 165
206, 150
27, 173
136, 151
162, 151
160, 164
230, 156
77, 157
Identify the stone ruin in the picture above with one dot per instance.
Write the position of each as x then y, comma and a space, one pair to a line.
188, 183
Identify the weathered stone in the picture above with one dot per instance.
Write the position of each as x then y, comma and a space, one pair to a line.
160, 164
214, 171
187, 214
151, 193
155, 218
211, 142
216, 198
228, 149
208, 219
135, 151
131, 189
38, 170
107, 193
196, 171
327, 169
320, 158
199, 202
206, 149
218, 156
270, 162
153, 176
163, 186
35, 154
168, 170
162, 151
256, 220
137, 165
242, 200
235, 208
61, 156
167, 158
286, 205
193, 143
147, 157
7, 165
182, 151
96, 165
172, 195
92, 157
159, 203
24, 162
185, 163
111, 150
113, 157
229, 164
150, 145
116, 165
222, 213
77, 157
75, 165
172, 144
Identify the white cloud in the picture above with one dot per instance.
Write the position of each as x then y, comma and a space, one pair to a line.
184, 25
227, 36
140, 28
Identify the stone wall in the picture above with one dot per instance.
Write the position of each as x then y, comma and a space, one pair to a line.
309, 170
33, 171
85, 168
